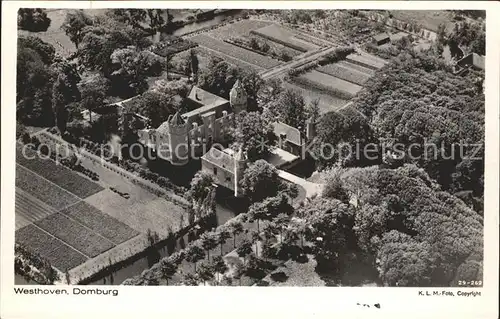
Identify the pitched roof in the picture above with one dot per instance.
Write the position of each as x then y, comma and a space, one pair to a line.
473, 59
220, 158
203, 97
292, 134
176, 119
381, 36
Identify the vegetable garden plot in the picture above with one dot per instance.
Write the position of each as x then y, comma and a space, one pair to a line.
74, 234
368, 61
237, 29
344, 73
103, 224
236, 52
58, 174
30, 208
236, 62
37, 240
281, 35
65, 258
43, 190
327, 82
357, 67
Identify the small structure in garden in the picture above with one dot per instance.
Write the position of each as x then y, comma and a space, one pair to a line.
472, 61
381, 38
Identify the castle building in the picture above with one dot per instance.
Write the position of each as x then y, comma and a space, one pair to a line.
188, 134
226, 166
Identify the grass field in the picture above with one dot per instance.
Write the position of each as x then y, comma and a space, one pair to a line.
54, 35
281, 35
43, 190
324, 81
235, 52
101, 223
429, 19
345, 73
58, 174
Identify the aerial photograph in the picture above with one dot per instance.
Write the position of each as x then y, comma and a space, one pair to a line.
250, 147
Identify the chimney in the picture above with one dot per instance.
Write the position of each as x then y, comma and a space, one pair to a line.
310, 130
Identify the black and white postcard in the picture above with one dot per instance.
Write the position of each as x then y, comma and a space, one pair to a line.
345, 152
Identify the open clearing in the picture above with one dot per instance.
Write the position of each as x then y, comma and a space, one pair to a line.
327, 102
429, 19
345, 73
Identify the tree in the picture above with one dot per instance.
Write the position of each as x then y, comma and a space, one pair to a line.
194, 64
244, 249
239, 271
223, 235
252, 82
253, 134
205, 272
281, 220
190, 279
291, 109
73, 25
219, 78
219, 266
260, 180
313, 111
236, 228
255, 236
34, 20
201, 187
59, 103
94, 93
168, 269
208, 242
194, 254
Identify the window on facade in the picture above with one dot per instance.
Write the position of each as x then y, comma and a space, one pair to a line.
228, 178
215, 171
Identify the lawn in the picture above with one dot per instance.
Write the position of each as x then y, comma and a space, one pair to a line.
327, 102
54, 35
322, 81
281, 35
76, 235
429, 19
58, 174
43, 190
234, 51
345, 73
103, 224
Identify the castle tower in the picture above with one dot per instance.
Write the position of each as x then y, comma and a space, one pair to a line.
240, 161
178, 139
238, 98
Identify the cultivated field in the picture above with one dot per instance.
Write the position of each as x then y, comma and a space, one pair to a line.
103, 224
29, 209
428, 19
42, 189
328, 83
74, 234
327, 102
54, 250
57, 174
230, 50
367, 61
356, 67
281, 35
241, 28
345, 73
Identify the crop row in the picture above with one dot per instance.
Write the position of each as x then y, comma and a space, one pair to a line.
101, 223
285, 37
236, 52
74, 234
237, 29
43, 190
344, 73
55, 251
236, 62
58, 174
